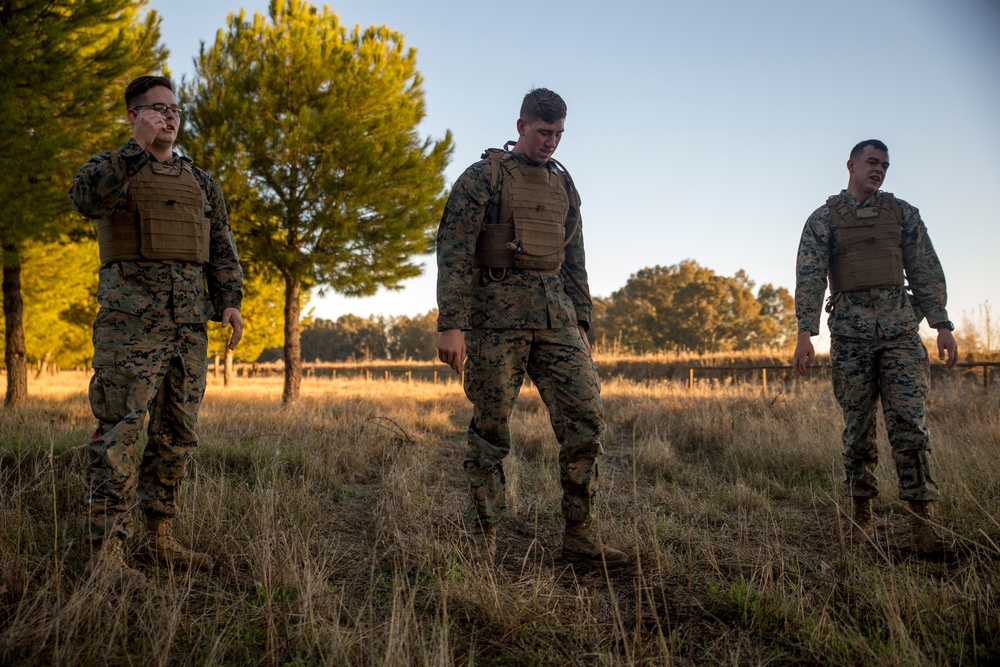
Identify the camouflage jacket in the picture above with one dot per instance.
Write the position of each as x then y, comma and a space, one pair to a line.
855, 314
469, 299
174, 290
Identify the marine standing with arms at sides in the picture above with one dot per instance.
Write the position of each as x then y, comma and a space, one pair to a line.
513, 297
164, 235
867, 241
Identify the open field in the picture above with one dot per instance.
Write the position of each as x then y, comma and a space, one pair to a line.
336, 526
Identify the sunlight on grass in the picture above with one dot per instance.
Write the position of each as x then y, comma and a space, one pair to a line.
336, 526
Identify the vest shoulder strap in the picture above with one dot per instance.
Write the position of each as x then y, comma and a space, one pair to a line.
494, 155
838, 211
571, 191
894, 204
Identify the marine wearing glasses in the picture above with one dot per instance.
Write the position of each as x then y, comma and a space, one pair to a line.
161, 108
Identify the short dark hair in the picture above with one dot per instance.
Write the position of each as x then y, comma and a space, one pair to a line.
542, 104
140, 86
875, 143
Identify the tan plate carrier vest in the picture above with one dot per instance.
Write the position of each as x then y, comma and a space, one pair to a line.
164, 218
530, 230
866, 252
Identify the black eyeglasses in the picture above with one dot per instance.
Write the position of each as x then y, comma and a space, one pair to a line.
161, 108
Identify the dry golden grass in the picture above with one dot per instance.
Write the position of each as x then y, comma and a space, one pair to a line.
336, 526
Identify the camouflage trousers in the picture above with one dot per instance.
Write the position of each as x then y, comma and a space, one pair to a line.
896, 371
562, 370
141, 365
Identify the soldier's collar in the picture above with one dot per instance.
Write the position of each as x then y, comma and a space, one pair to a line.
851, 200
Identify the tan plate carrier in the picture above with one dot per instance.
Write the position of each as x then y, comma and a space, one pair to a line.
867, 252
164, 218
530, 230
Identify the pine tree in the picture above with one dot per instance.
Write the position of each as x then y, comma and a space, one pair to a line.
311, 131
65, 65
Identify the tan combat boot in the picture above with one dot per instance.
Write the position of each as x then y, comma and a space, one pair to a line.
108, 562
580, 545
484, 544
926, 539
863, 520
164, 548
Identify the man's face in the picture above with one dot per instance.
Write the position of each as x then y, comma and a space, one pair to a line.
172, 122
868, 171
537, 139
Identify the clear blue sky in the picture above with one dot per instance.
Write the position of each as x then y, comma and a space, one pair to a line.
706, 130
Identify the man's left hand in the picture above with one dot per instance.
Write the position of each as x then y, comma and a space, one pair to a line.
946, 343
232, 316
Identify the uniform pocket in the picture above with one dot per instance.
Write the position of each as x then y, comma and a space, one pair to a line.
473, 368
105, 342
104, 358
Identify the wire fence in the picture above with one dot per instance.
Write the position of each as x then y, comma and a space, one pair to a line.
769, 375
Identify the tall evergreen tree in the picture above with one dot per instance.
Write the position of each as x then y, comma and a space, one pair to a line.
312, 133
64, 67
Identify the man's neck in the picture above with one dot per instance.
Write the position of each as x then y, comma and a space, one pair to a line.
161, 154
860, 195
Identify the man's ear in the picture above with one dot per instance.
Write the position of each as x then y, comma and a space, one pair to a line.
850, 166
520, 127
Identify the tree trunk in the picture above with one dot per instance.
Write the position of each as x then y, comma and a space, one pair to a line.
215, 366
293, 342
15, 354
43, 365
227, 373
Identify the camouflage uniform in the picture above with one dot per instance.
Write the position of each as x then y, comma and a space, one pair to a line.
150, 351
876, 351
524, 322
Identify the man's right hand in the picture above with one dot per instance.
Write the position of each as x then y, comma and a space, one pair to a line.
451, 348
805, 353
148, 124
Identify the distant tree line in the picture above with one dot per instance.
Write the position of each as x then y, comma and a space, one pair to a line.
680, 308
684, 307
353, 338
